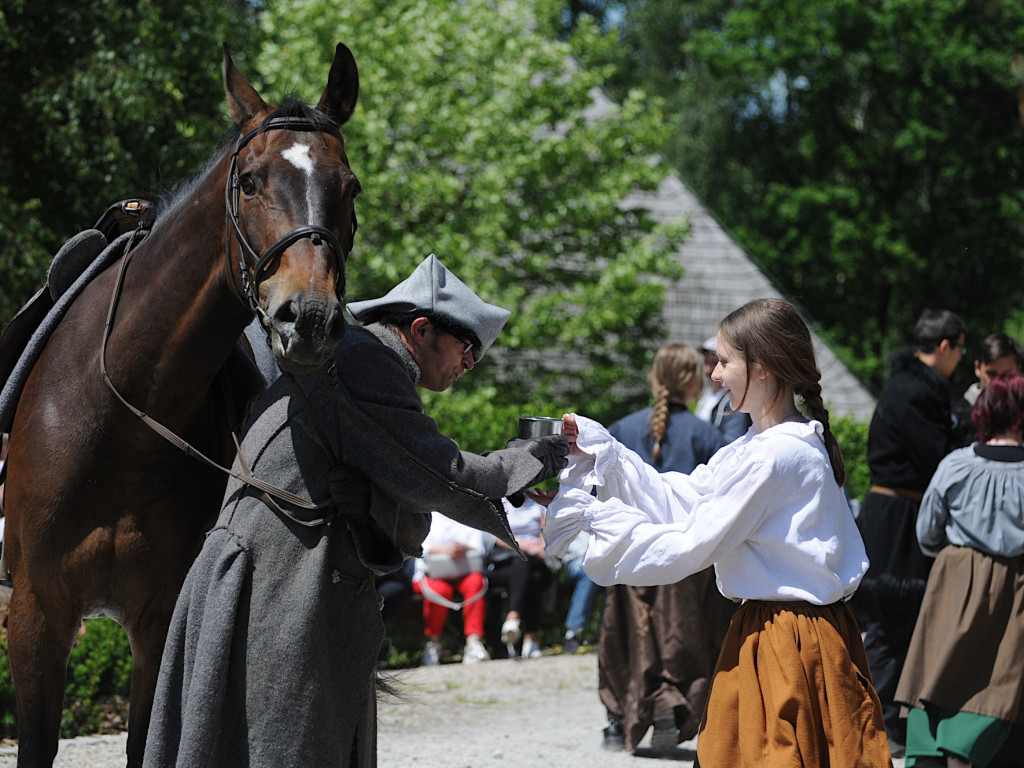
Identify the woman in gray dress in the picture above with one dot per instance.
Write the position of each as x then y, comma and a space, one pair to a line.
963, 680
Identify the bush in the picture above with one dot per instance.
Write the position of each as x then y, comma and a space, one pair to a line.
98, 683
853, 439
8, 724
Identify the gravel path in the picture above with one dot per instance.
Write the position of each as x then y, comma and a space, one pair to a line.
542, 713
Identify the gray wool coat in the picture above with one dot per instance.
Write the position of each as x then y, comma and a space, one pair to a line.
271, 654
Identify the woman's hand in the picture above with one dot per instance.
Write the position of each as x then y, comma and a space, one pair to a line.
541, 496
571, 432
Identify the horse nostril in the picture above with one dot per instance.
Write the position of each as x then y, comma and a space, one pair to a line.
287, 312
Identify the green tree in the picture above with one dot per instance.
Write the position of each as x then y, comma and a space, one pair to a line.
867, 152
474, 139
102, 100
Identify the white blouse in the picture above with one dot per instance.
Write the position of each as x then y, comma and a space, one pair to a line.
765, 511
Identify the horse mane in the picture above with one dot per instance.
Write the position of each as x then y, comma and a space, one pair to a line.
185, 189
291, 106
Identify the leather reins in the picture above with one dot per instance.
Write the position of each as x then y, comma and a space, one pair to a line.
169, 435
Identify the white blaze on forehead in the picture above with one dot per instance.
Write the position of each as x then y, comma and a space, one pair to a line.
298, 155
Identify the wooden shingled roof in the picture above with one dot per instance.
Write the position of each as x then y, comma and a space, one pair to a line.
720, 276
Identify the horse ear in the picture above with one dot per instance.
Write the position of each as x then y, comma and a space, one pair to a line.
339, 97
243, 101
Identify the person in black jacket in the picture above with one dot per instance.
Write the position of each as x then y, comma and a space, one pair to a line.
910, 432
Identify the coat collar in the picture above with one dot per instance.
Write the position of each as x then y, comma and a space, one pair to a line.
905, 362
390, 339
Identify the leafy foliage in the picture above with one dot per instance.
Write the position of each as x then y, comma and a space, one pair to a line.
8, 722
98, 684
23, 256
102, 100
867, 152
99, 679
852, 436
474, 139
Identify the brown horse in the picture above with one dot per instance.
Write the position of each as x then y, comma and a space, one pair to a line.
104, 516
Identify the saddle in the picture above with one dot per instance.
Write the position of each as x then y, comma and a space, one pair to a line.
72, 261
250, 368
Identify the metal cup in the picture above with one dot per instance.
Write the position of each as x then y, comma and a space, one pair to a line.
538, 426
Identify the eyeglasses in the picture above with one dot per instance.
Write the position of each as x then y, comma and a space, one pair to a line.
468, 344
954, 343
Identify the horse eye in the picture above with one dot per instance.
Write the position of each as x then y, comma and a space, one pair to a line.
248, 184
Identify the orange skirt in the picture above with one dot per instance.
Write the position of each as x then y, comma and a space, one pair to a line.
792, 688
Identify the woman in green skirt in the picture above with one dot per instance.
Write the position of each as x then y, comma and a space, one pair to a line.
963, 681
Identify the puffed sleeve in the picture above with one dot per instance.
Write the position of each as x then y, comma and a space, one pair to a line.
651, 528
615, 471
933, 515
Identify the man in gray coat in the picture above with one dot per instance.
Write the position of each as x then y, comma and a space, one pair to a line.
271, 655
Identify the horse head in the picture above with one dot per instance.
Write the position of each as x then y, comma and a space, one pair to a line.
290, 198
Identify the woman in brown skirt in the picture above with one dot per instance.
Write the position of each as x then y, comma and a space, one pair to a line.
791, 687
659, 644
964, 675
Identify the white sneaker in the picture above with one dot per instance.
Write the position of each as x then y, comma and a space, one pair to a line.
531, 649
510, 632
431, 654
475, 652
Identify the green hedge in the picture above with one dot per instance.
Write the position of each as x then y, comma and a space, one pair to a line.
98, 683
853, 439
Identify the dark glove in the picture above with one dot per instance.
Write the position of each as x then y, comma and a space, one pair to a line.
350, 489
551, 450
516, 499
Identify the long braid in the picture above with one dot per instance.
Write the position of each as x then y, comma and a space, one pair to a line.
675, 379
811, 395
658, 422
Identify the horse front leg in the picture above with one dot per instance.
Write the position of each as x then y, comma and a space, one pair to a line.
147, 649
39, 642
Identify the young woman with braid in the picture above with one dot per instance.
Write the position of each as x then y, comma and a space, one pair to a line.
792, 685
659, 644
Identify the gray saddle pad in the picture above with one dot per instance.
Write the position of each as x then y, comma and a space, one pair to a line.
79, 260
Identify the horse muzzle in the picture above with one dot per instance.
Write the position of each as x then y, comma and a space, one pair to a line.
304, 332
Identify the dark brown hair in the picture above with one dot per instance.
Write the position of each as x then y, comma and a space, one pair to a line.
771, 333
998, 345
675, 377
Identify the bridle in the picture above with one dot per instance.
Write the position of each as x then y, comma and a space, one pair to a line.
252, 266
252, 275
